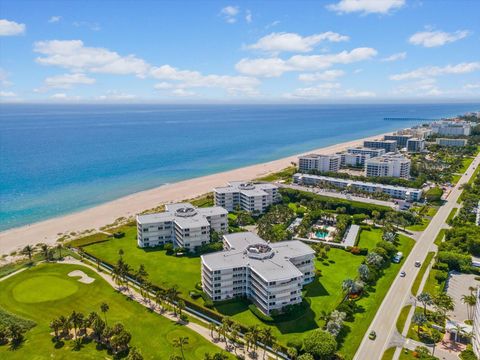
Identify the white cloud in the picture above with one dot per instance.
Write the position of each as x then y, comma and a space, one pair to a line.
229, 13
11, 28
328, 75
115, 95
422, 87
366, 6
182, 92
66, 81
471, 86
54, 19
293, 42
73, 55
7, 94
248, 16
92, 26
327, 90
395, 57
59, 96
436, 38
356, 94
183, 79
273, 67
433, 71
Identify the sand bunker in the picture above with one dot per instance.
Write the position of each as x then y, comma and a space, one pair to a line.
84, 278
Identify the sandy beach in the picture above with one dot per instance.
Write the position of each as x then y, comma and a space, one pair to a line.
93, 218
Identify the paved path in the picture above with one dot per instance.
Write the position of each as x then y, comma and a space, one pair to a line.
319, 191
133, 294
386, 317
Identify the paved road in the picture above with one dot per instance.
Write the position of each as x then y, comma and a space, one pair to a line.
386, 317
319, 191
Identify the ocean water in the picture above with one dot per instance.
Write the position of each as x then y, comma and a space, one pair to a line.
57, 159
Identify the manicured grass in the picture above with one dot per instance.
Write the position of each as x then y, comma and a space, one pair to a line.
164, 270
407, 355
465, 164
440, 236
285, 175
388, 354
152, 334
369, 237
451, 215
419, 227
421, 273
402, 319
456, 178
432, 286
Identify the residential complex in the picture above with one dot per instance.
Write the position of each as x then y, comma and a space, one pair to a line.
401, 139
181, 224
476, 326
391, 165
420, 132
387, 145
398, 192
251, 197
451, 142
357, 156
451, 128
321, 163
270, 275
415, 145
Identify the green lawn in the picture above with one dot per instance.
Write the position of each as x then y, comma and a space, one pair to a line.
456, 178
419, 227
369, 238
439, 237
402, 319
164, 270
432, 286
451, 215
45, 291
421, 273
388, 354
465, 164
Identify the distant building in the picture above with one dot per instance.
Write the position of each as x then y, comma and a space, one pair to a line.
415, 145
357, 156
476, 326
401, 139
419, 132
254, 198
451, 142
397, 192
321, 163
387, 145
451, 128
270, 275
388, 165
181, 224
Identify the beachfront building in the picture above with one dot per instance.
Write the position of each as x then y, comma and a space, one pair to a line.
401, 139
451, 142
397, 192
270, 275
451, 128
476, 326
318, 162
387, 145
391, 165
251, 197
357, 156
419, 132
181, 224
415, 145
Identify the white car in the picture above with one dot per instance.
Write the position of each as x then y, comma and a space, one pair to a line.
403, 273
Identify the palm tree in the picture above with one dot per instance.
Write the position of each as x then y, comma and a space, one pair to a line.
104, 309
180, 342
255, 332
59, 248
267, 339
65, 324
470, 301
55, 325
211, 327
459, 330
15, 332
45, 251
76, 319
172, 294
419, 320
28, 250
159, 298
181, 306
425, 299
235, 330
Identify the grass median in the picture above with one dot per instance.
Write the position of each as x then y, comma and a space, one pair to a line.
421, 273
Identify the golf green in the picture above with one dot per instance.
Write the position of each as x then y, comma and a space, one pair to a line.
43, 288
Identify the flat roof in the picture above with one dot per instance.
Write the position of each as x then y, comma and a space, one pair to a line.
276, 267
246, 187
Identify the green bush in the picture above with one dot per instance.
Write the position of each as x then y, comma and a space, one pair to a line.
259, 314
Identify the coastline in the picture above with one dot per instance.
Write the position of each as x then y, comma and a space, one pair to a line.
47, 231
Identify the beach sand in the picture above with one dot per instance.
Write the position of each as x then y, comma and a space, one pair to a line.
93, 218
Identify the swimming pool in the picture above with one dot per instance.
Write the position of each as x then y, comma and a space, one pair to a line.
321, 234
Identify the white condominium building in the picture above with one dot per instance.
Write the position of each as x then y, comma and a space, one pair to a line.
391, 165
397, 192
451, 142
401, 139
387, 145
270, 275
321, 163
476, 326
420, 132
254, 198
357, 156
451, 127
415, 145
181, 224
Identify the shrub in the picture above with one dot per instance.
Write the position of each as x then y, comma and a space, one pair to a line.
320, 344
295, 343
195, 294
259, 314
441, 276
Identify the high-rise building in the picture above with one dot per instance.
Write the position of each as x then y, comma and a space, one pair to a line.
451, 142
451, 128
387, 145
321, 163
415, 145
391, 165
401, 139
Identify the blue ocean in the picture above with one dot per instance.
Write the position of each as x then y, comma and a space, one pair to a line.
57, 159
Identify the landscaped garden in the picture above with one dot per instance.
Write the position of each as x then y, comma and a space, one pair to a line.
45, 291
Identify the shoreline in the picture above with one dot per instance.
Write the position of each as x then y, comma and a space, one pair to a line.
46, 231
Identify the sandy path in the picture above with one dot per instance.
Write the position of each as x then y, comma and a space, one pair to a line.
46, 231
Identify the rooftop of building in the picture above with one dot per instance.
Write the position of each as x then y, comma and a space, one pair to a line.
319, 156
381, 141
248, 188
388, 157
184, 214
271, 261
363, 148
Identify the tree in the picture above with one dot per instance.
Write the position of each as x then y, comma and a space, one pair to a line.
15, 333
59, 248
141, 273
172, 295
419, 319
320, 344
45, 252
436, 336
335, 324
443, 303
76, 320
470, 301
211, 327
55, 325
364, 272
425, 299
374, 259
305, 357
134, 354
180, 343
347, 285
120, 252
104, 309
28, 251
267, 339
181, 306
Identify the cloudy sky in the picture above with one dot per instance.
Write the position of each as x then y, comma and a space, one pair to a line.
245, 51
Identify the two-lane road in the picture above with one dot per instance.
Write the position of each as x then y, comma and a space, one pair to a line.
386, 317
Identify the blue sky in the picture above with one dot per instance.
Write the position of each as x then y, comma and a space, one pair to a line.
248, 51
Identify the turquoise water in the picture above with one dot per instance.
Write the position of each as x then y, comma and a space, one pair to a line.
57, 159
321, 234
